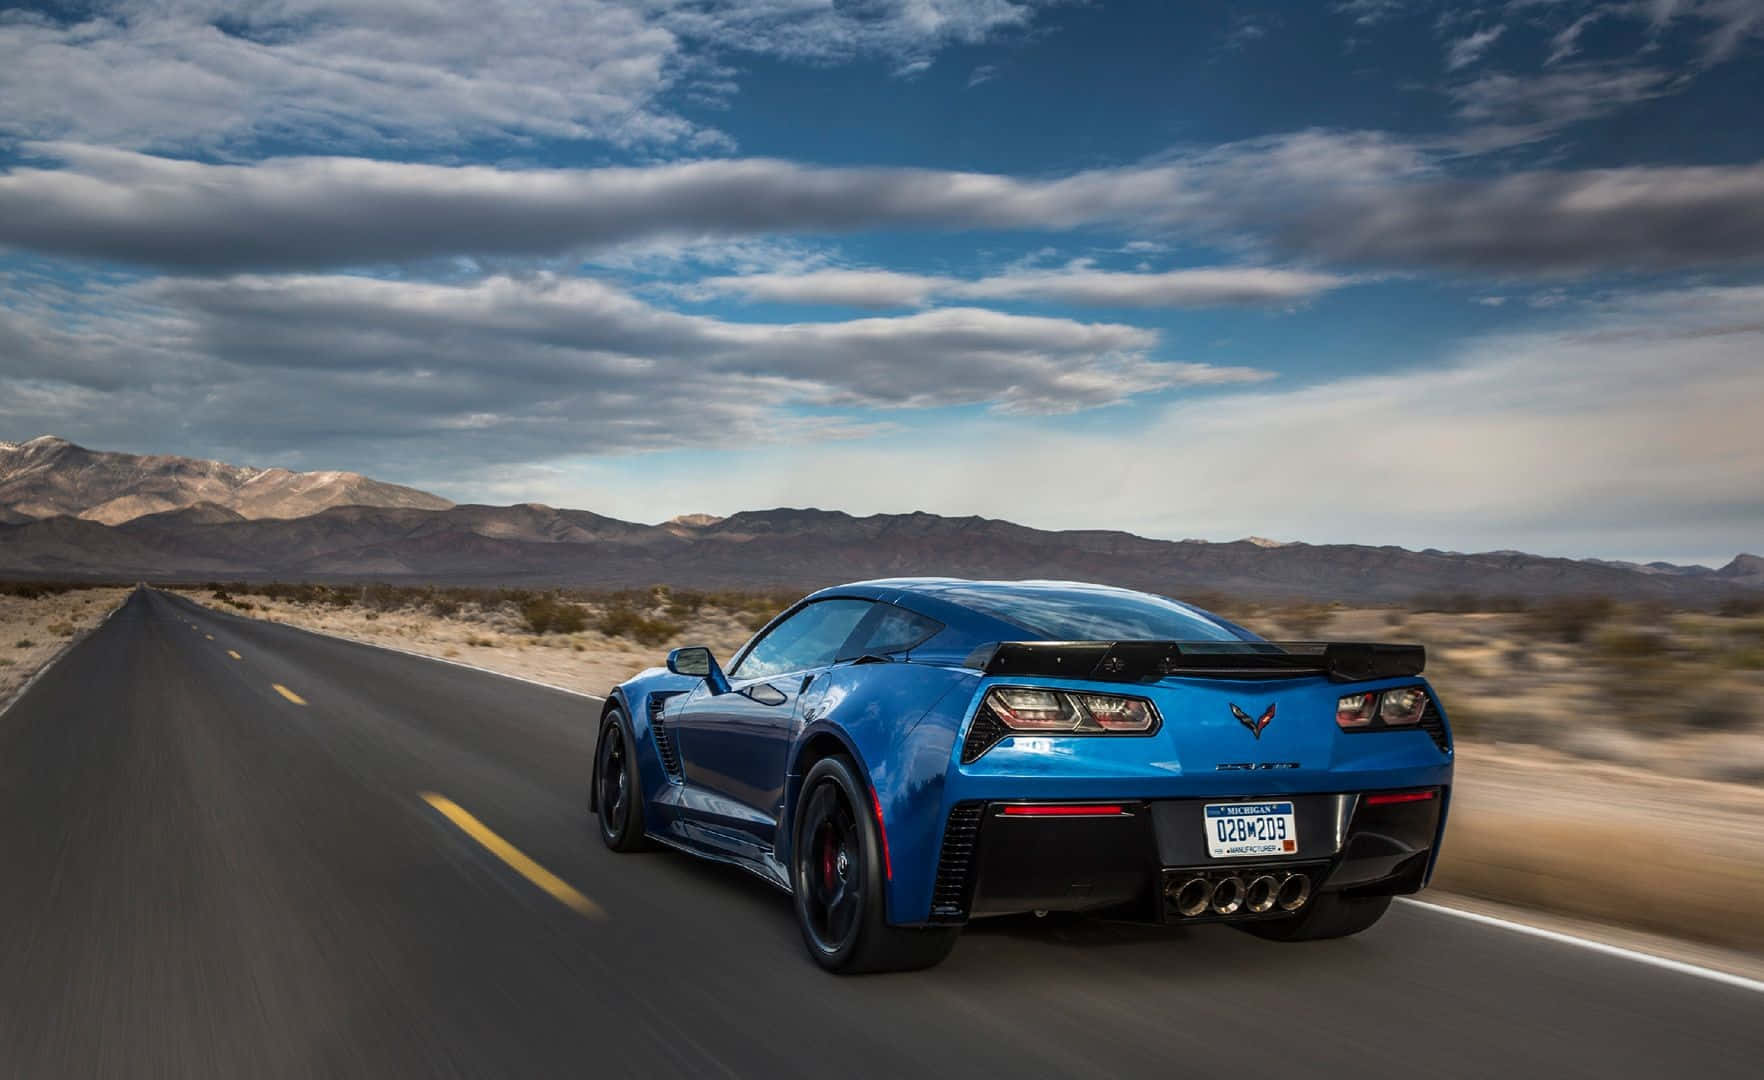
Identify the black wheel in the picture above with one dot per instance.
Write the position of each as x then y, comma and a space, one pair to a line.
837, 880
1330, 915
617, 795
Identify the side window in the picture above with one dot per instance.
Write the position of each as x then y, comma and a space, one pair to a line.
895, 629
808, 639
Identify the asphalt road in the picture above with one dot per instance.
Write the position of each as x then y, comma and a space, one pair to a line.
202, 876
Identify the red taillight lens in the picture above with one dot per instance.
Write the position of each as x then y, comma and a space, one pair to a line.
1080, 810
1391, 798
1356, 710
1373, 711
1053, 712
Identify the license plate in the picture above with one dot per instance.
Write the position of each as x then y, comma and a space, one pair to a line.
1244, 830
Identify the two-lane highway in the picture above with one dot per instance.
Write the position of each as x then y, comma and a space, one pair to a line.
231, 848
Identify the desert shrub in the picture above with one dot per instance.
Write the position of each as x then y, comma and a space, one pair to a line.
6, 661
61, 629
1467, 603
619, 621
221, 594
243, 605
1305, 621
1720, 709
1631, 644
547, 614
1738, 605
34, 590
445, 607
25, 643
1569, 618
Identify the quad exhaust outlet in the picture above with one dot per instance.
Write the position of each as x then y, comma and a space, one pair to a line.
1230, 895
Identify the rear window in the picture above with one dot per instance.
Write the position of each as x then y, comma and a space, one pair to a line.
1077, 614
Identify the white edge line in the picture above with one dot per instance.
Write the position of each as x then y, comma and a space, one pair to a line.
392, 649
1679, 966
67, 647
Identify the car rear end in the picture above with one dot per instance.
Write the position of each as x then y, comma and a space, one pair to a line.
1234, 789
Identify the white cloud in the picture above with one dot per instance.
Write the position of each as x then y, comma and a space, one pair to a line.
536, 367
1632, 431
1330, 195
1077, 283
206, 73
1469, 49
1504, 110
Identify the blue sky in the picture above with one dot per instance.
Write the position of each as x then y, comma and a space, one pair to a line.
1468, 276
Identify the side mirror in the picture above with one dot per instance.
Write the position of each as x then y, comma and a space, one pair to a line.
696, 661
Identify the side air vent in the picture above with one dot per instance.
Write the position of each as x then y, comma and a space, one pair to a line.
955, 863
1434, 725
983, 734
664, 742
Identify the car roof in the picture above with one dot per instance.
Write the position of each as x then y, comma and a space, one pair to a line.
938, 586
948, 601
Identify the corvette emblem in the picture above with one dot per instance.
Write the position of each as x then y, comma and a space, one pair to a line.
1255, 726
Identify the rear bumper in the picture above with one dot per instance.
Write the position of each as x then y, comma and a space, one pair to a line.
1128, 858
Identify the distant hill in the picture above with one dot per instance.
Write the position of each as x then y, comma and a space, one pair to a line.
66, 511
785, 548
50, 477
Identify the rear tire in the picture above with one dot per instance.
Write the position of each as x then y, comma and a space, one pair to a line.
617, 796
1330, 915
837, 881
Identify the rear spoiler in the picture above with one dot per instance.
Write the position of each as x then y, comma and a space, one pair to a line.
1135, 661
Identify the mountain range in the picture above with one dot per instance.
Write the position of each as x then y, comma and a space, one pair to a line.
66, 511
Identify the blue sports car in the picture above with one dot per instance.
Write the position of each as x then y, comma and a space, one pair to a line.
902, 756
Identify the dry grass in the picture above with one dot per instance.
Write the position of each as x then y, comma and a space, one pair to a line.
36, 623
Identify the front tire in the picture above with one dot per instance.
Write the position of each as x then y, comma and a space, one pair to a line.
838, 877
1330, 915
618, 792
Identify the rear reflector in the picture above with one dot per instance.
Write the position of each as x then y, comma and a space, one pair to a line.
1063, 811
1388, 798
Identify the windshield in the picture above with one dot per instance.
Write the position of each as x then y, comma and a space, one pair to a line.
1078, 613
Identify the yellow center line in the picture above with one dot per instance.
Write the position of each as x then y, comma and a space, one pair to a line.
514, 857
287, 693
234, 655
209, 636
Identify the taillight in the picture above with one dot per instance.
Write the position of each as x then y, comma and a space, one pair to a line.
1399, 708
1356, 710
1032, 710
1054, 712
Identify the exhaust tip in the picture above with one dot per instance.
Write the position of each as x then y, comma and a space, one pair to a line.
1294, 891
1228, 896
1192, 897
1258, 897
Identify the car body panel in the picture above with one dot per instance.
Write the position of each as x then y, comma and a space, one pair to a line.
903, 718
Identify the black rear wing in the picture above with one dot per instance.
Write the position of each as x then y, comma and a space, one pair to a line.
1137, 661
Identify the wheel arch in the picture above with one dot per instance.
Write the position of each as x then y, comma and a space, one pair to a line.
818, 741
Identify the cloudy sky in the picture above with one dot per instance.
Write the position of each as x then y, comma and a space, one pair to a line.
1381, 271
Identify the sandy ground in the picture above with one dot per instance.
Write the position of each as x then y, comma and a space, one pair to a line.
1531, 826
32, 632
